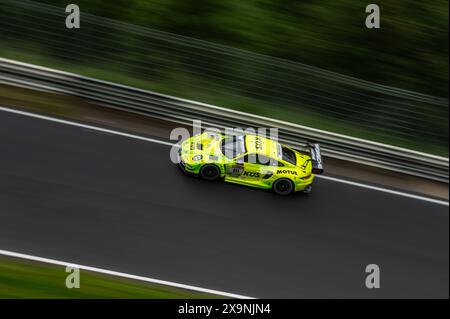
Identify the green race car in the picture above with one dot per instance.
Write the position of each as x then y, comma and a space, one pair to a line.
250, 160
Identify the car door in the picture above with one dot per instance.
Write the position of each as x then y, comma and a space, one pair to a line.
251, 169
243, 170
234, 170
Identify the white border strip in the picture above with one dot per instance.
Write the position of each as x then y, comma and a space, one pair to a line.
122, 275
151, 140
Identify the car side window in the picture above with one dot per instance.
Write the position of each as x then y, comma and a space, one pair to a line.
271, 162
261, 160
250, 158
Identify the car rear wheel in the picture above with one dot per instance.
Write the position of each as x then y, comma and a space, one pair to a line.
283, 187
210, 172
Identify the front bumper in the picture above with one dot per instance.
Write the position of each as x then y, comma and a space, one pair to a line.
187, 168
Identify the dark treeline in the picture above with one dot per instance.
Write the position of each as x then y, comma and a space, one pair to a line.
410, 50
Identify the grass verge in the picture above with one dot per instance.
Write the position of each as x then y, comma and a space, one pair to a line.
33, 280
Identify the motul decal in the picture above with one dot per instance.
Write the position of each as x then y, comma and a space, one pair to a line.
286, 171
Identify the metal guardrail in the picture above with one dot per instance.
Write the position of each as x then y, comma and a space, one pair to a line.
180, 110
221, 75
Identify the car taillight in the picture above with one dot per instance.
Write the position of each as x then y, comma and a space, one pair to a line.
306, 177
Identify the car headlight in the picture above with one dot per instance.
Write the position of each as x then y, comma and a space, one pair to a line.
197, 158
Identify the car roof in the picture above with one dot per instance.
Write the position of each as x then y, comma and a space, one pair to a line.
261, 145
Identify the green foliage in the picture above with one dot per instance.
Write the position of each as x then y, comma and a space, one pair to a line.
409, 51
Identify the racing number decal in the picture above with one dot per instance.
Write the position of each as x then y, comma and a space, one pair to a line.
235, 171
258, 143
239, 171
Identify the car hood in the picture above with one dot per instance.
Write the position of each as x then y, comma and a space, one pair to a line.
207, 145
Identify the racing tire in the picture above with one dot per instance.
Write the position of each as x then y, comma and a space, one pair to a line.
210, 172
283, 187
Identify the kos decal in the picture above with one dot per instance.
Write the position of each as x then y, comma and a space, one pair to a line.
251, 174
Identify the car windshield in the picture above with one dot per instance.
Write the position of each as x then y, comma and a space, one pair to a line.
233, 146
288, 155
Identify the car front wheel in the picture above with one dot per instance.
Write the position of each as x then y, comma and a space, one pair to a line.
210, 172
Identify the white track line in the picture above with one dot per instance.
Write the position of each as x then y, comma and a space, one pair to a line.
122, 275
385, 190
90, 127
151, 140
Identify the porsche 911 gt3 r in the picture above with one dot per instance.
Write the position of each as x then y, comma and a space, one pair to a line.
250, 160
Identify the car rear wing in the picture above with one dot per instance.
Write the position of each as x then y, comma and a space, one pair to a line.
316, 158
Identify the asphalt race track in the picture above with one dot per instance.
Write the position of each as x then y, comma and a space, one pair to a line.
118, 203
